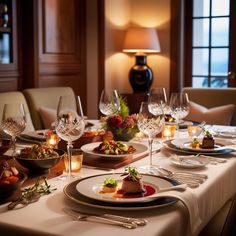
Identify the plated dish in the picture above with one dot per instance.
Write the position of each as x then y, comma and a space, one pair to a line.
71, 192
89, 149
185, 144
168, 144
190, 162
91, 187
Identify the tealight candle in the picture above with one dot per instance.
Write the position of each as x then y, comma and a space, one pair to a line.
168, 131
52, 139
76, 161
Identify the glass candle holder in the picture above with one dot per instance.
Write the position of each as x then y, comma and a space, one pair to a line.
194, 130
168, 131
76, 161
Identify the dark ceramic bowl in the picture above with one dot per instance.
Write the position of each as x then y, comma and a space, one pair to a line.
7, 190
5, 144
38, 165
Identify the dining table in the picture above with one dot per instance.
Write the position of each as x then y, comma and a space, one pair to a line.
47, 216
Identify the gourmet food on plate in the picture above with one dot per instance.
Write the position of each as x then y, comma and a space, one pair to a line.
130, 186
132, 182
112, 147
8, 174
38, 151
207, 142
109, 185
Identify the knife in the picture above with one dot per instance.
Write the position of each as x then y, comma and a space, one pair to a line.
81, 216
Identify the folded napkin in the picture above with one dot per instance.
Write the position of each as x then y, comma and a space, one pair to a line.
29, 139
190, 202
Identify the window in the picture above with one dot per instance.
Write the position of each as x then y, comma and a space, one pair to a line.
210, 43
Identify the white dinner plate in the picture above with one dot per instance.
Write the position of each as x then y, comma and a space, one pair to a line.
88, 148
190, 162
184, 143
72, 194
91, 187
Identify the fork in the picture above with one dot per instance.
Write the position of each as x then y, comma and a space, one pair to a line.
24, 200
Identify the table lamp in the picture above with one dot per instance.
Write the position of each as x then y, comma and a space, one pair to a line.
141, 41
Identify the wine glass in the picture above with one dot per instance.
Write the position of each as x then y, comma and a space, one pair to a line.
69, 125
109, 103
150, 125
13, 121
179, 106
157, 101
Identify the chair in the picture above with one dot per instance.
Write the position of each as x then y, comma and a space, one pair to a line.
213, 97
44, 98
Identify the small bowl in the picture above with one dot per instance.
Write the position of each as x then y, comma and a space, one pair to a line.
8, 190
39, 165
5, 144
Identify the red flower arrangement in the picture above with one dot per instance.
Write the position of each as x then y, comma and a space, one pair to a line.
122, 128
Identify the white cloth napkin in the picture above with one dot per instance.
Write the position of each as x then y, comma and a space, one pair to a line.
190, 202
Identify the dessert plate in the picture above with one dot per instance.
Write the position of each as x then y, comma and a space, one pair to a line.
185, 145
88, 148
91, 187
189, 162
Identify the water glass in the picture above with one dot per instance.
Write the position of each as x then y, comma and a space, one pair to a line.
109, 103
150, 125
13, 121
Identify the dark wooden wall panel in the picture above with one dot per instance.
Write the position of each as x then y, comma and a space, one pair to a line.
59, 17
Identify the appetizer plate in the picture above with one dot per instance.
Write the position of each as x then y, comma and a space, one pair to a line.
168, 144
71, 192
189, 161
184, 144
88, 148
91, 187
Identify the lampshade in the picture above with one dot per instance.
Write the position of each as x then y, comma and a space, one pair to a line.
140, 39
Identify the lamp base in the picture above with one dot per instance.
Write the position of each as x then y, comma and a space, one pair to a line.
140, 75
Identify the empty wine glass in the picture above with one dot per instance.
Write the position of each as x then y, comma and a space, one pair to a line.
13, 121
179, 106
157, 101
109, 103
150, 125
69, 125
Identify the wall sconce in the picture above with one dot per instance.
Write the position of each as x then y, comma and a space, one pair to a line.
141, 41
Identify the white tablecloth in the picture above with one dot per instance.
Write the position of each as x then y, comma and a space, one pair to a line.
47, 216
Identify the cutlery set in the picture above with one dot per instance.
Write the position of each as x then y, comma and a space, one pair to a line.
193, 180
126, 222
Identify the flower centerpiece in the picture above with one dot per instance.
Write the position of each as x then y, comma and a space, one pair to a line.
122, 125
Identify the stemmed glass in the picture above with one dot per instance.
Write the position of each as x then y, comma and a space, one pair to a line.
109, 103
69, 125
13, 121
157, 101
179, 106
151, 125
